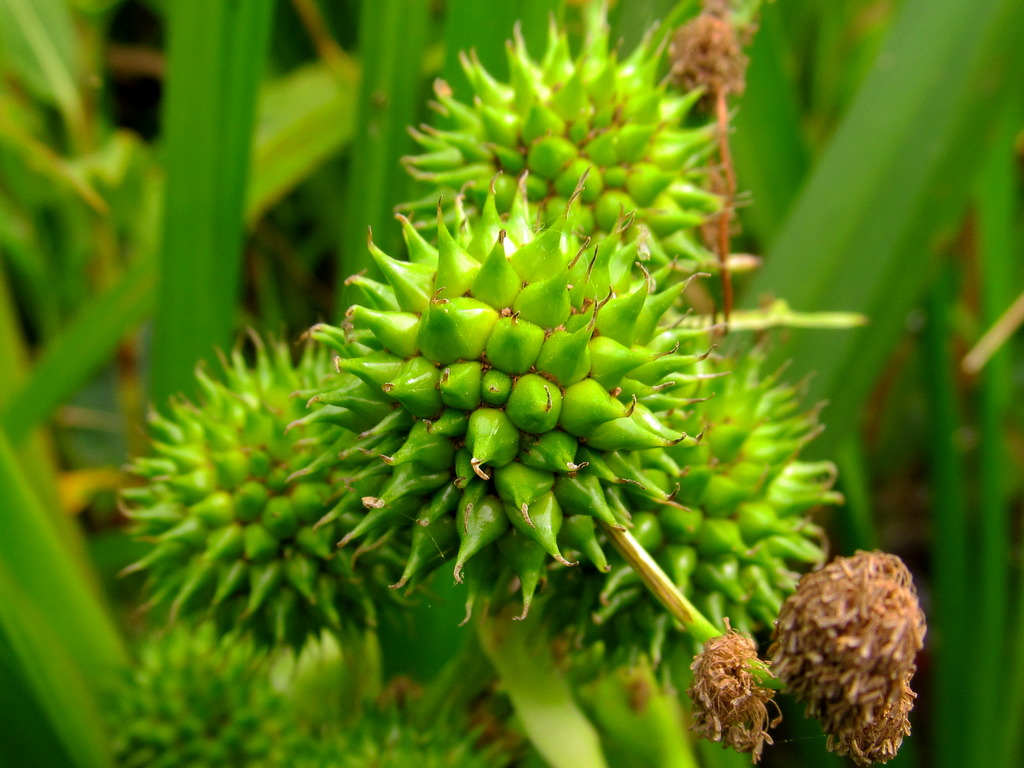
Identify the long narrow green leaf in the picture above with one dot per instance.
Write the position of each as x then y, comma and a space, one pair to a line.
767, 143
37, 40
520, 652
305, 117
78, 352
39, 562
50, 716
216, 56
950, 539
997, 201
897, 170
392, 34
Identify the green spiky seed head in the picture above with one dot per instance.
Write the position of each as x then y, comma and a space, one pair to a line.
613, 128
234, 504
500, 380
384, 739
194, 700
735, 531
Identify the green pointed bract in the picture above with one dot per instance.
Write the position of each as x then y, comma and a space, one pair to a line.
483, 522
395, 331
528, 561
535, 404
455, 329
554, 451
415, 387
497, 282
410, 282
495, 387
522, 484
545, 303
580, 533
514, 344
586, 405
565, 355
460, 385
455, 267
539, 521
491, 438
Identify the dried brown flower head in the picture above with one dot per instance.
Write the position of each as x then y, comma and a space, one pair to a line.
729, 704
878, 742
845, 644
705, 53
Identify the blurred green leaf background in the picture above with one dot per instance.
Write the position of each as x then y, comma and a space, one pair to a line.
172, 173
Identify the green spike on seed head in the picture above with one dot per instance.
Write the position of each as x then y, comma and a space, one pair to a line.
243, 514
612, 130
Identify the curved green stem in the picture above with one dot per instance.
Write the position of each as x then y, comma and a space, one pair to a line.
661, 586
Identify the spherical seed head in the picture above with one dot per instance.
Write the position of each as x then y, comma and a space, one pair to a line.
239, 512
386, 739
734, 527
611, 127
497, 405
194, 700
845, 645
729, 704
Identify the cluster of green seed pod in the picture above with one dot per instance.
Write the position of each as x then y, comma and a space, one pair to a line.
736, 526
495, 383
560, 118
192, 700
232, 506
195, 699
385, 740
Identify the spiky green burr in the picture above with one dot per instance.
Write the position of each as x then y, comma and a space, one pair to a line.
193, 699
492, 379
562, 117
385, 740
233, 501
736, 527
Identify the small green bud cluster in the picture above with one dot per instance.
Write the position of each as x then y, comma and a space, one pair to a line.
193, 699
616, 124
232, 506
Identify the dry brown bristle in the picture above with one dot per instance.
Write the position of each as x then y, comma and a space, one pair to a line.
845, 644
729, 705
705, 53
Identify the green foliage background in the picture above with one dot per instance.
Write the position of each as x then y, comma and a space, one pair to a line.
174, 172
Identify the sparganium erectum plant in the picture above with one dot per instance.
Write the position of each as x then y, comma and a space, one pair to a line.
522, 403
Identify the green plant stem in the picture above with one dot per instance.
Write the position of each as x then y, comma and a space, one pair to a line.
40, 563
520, 651
79, 350
855, 519
997, 199
215, 59
954, 660
392, 34
661, 586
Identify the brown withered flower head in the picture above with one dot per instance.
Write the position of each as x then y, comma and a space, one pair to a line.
706, 53
729, 704
845, 644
